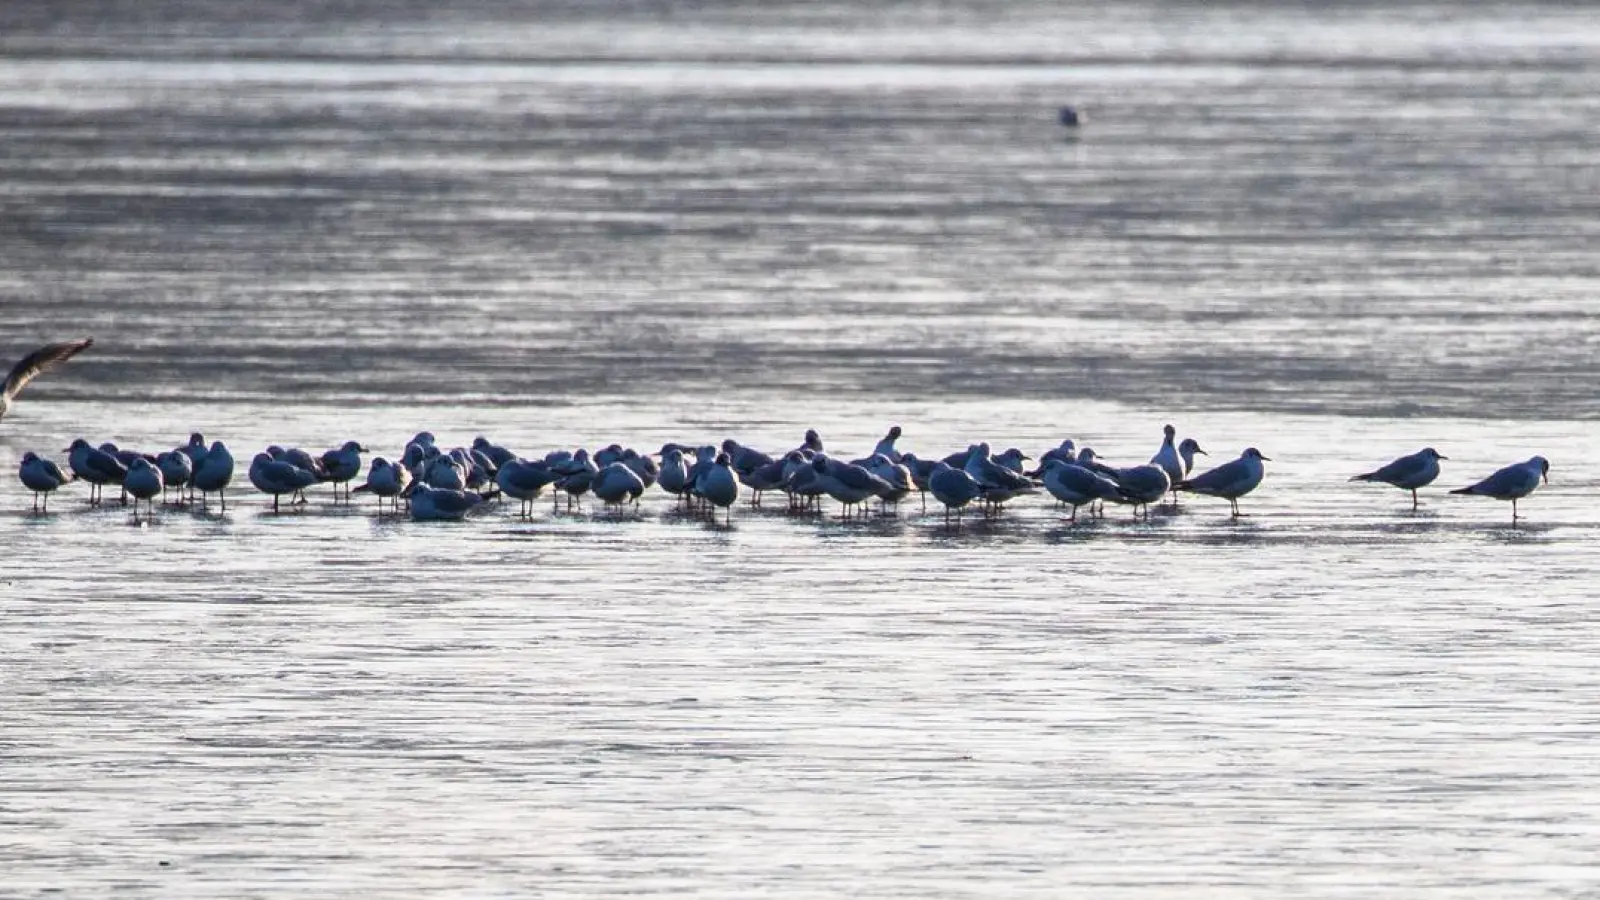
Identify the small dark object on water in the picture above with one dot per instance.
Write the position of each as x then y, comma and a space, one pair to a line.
163, 863
1070, 117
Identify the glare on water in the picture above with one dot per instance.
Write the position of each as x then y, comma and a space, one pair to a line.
1338, 238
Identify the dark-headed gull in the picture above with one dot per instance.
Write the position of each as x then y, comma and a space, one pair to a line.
1231, 480
1512, 483
41, 476
1408, 472
144, 483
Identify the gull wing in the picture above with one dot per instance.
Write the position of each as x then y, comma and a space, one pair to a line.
40, 361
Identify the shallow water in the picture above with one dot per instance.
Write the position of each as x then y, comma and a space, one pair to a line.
1338, 238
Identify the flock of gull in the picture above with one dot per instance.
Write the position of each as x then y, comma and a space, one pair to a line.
430, 482
435, 483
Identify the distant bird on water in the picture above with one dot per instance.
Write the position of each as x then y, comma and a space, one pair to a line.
35, 364
1408, 472
1070, 117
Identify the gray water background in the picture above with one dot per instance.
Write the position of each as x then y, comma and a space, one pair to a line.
1337, 235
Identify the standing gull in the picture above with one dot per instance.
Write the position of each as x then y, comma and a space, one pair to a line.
720, 486
953, 487
1408, 472
214, 473
1076, 486
41, 476
144, 482
1511, 483
35, 364
95, 466
1176, 460
1142, 486
1231, 480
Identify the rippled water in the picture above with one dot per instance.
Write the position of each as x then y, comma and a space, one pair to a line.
1335, 236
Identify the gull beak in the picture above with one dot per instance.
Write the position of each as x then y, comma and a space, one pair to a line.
1546, 477
1267, 458
1201, 452
1444, 457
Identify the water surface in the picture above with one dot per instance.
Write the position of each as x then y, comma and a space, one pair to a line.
1338, 237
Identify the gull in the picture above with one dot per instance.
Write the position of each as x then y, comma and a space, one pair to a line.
445, 472
477, 469
1142, 486
144, 483
704, 459
1408, 472
276, 477
1076, 486
177, 470
720, 486
431, 504
642, 466
41, 476
1186, 451
769, 477
813, 441
999, 482
802, 482
959, 460
196, 451
342, 465
1066, 451
496, 453
35, 364
896, 475
1231, 480
1167, 457
214, 473
303, 461
1013, 460
744, 459
95, 466
849, 484
674, 477
919, 470
1511, 483
577, 476
953, 487
885, 447
385, 480
1176, 461
617, 485
607, 455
